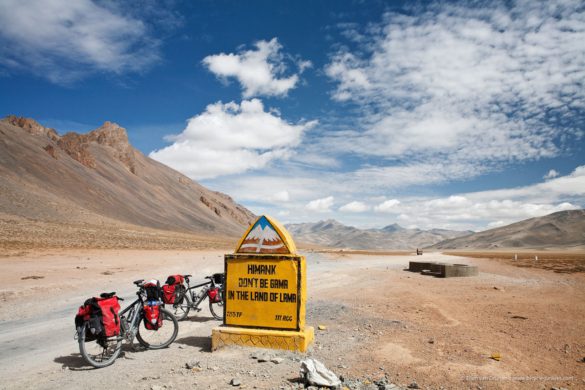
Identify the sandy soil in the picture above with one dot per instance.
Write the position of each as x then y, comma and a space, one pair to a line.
382, 321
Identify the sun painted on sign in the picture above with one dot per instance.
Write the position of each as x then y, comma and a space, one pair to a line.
263, 238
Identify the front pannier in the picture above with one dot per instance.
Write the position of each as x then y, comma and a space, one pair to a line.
214, 295
153, 319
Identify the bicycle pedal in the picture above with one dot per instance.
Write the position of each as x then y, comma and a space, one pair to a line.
199, 309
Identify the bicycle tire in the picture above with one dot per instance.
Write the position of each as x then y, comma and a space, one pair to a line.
181, 310
90, 358
216, 308
168, 317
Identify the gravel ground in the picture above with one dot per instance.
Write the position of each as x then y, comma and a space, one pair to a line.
383, 325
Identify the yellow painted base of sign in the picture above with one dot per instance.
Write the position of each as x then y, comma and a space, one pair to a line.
262, 338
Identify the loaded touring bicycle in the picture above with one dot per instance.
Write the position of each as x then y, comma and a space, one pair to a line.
180, 297
101, 326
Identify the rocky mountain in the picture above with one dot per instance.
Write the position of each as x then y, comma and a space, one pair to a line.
98, 178
564, 229
333, 234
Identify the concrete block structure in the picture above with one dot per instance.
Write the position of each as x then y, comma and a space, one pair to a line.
443, 270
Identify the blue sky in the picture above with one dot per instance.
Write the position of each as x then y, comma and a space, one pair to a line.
462, 115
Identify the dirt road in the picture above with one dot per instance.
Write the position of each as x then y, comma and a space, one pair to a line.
381, 322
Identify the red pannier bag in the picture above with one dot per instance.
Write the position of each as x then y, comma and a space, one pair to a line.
153, 319
175, 279
102, 316
169, 293
171, 289
214, 295
111, 321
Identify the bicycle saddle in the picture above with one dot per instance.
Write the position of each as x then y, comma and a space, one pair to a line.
138, 282
107, 295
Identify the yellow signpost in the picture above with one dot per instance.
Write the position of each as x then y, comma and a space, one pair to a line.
265, 292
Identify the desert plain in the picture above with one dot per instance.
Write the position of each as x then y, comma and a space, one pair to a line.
380, 321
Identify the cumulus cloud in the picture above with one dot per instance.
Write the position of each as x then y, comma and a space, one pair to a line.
388, 206
465, 86
231, 138
65, 40
487, 209
551, 174
320, 205
260, 71
354, 207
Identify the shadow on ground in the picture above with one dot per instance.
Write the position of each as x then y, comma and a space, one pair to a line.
74, 362
201, 342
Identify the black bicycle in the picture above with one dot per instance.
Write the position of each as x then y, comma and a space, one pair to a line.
103, 351
191, 297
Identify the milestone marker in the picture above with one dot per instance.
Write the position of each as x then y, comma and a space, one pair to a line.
265, 291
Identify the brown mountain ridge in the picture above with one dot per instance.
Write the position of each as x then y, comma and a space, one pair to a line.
98, 179
560, 230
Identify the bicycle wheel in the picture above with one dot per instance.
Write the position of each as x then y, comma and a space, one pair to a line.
163, 336
99, 353
181, 307
216, 308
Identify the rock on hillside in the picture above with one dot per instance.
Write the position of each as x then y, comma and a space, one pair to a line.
333, 234
98, 177
564, 229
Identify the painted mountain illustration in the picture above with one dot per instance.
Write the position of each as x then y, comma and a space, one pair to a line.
263, 239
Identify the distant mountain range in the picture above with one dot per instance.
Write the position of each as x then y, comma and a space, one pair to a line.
99, 179
564, 229
333, 234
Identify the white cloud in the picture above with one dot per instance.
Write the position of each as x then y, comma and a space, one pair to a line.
231, 138
496, 224
470, 88
551, 174
320, 205
459, 211
65, 40
258, 71
281, 196
355, 207
488, 209
388, 206
570, 187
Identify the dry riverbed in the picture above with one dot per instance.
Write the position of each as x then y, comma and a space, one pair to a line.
381, 322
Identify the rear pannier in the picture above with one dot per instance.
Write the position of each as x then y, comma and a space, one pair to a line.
175, 279
173, 290
101, 314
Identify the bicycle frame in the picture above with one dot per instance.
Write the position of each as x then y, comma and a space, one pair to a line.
131, 323
195, 305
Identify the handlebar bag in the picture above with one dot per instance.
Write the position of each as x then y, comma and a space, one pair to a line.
153, 291
153, 318
218, 278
